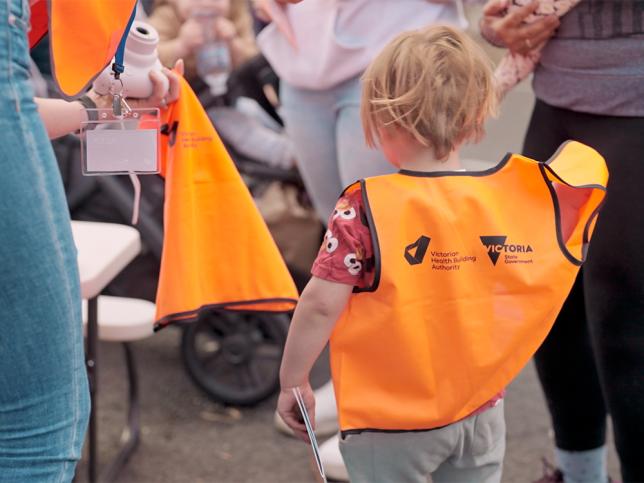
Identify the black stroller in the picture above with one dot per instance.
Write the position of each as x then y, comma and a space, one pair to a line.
233, 357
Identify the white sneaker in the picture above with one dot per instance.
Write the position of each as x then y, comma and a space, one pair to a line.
332, 459
326, 413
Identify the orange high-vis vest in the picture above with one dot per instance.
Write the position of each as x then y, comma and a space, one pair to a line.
217, 250
84, 36
471, 272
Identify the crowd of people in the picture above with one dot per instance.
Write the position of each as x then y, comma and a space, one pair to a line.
384, 93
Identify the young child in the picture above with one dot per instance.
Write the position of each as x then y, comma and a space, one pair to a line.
243, 124
435, 285
180, 35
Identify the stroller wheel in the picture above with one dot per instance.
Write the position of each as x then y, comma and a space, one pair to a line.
235, 357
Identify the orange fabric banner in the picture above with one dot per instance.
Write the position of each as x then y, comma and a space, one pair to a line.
217, 251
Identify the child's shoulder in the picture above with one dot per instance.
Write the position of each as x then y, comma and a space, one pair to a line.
350, 206
346, 255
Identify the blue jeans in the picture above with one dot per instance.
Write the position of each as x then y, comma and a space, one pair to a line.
44, 399
329, 143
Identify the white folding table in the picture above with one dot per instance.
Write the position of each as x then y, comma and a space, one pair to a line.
104, 250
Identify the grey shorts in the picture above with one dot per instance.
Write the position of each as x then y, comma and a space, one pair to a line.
470, 450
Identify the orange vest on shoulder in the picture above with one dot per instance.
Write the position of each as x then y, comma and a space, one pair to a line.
84, 36
471, 272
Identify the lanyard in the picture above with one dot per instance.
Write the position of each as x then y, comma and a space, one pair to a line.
119, 66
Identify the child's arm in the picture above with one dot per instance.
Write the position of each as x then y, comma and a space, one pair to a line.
241, 43
188, 39
319, 307
178, 38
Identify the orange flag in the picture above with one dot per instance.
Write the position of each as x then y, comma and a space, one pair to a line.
84, 36
217, 250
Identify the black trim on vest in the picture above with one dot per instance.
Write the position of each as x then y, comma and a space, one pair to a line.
374, 241
349, 432
436, 174
545, 166
561, 180
193, 315
557, 152
555, 201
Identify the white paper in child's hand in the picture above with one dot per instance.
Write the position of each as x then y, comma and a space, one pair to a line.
309, 430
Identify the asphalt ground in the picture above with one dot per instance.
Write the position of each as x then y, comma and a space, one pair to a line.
186, 438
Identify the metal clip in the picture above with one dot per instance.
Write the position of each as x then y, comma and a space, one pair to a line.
116, 89
117, 106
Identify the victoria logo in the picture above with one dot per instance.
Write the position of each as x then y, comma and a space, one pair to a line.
415, 253
171, 132
491, 243
496, 245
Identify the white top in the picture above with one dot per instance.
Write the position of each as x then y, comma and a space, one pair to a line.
104, 250
336, 39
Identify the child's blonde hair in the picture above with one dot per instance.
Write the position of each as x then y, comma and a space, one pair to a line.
436, 84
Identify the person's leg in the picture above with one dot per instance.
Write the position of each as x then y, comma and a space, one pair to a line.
310, 121
406, 457
44, 401
478, 456
614, 282
565, 362
355, 159
567, 371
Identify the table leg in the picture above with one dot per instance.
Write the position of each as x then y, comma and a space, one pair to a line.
132, 431
91, 357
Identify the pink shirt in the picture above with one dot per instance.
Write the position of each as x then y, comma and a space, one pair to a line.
336, 39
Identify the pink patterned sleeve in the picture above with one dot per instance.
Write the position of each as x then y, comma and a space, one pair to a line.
346, 255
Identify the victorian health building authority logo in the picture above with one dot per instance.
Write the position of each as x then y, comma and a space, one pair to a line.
512, 252
415, 253
441, 260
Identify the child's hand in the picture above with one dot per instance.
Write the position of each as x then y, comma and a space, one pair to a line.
290, 412
191, 37
225, 29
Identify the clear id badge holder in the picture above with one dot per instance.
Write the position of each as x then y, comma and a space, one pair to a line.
121, 141
127, 143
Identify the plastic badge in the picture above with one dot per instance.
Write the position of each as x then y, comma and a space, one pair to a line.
309, 430
124, 144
